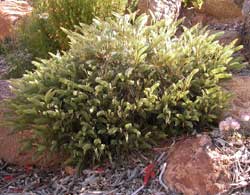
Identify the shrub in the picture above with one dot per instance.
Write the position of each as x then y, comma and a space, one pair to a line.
32, 34
43, 28
40, 33
194, 3
17, 58
122, 85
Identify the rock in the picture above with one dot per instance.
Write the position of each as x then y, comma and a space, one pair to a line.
246, 27
10, 144
194, 168
229, 36
10, 150
223, 8
5, 27
162, 9
194, 16
9, 147
10, 12
246, 8
13, 10
70, 170
240, 102
231, 27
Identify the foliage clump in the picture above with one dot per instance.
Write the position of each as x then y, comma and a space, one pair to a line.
122, 85
193, 3
50, 15
40, 32
15, 53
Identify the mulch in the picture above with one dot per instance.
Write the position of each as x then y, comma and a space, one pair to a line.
136, 175
236, 151
4, 84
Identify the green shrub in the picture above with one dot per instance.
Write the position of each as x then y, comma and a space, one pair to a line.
17, 58
5, 45
32, 34
193, 3
40, 33
43, 31
122, 85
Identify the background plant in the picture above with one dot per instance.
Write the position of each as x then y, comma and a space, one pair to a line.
122, 85
17, 58
40, 33
194, 3
50, 15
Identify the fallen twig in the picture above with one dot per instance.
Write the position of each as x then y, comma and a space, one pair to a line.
160, 177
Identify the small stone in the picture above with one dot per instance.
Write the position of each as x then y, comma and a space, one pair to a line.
245, 117
239, 107
70, 170
222, 8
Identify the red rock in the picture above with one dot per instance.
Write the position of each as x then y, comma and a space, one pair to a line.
10, 145
14, 10
193, 167
228, 36
10, 12
230, 31
240, 102
162, 9
5, 27
223, 8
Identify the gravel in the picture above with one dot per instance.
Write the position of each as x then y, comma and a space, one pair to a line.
4, 84
111, 179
